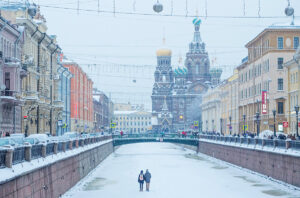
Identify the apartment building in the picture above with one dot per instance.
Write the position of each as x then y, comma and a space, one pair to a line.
264, 73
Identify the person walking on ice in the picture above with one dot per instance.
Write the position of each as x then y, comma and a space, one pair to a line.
141, 180
147, 178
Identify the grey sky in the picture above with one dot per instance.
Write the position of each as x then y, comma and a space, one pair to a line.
91, 38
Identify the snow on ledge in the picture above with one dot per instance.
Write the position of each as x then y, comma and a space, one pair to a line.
8, 174
277, 150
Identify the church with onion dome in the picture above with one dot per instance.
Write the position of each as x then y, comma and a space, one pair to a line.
177, 92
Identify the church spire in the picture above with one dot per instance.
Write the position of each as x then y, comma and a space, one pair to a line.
197, 37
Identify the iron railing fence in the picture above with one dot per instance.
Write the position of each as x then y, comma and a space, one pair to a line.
50, 148
36, 150
2, 158
18, 155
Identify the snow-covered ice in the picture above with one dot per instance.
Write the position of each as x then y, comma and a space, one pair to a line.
176, 173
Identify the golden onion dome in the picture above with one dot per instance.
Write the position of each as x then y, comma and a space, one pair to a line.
164, 52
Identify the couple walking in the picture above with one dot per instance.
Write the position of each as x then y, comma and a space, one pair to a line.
144, 178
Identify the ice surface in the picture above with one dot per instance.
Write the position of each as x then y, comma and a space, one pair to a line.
176, 173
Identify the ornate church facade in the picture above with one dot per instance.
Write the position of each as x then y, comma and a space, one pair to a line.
177, 93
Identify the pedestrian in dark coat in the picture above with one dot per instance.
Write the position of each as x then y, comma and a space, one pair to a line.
147, 178
141, 180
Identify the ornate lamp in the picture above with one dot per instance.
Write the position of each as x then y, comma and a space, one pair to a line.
158, 7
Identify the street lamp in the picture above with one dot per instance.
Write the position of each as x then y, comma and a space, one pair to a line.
221, 120
244, 117
230, 125
274, 114
297, 110
257, 119
257, 122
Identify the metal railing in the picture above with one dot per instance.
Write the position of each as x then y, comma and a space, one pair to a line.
272, 143
50, 149
43, 150
2, 158
36, 151
18, 155
156, 137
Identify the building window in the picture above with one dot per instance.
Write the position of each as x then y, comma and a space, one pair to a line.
279, 63
296, 42
280, 107
280, 84
7, 80
280, 42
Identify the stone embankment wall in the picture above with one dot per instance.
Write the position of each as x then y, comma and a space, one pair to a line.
279, 166
56, 178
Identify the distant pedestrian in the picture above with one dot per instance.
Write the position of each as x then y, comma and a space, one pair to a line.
147, 178
141, 180
7, 134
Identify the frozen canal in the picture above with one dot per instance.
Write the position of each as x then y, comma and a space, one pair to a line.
176, 172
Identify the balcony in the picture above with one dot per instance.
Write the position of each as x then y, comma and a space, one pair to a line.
11, 62
30, 96
58, 104
9, 96
23, 72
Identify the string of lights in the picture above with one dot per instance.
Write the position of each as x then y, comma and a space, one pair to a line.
114, 12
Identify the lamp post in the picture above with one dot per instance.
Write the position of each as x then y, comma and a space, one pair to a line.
297, 110
257, 122
257, 119
230, 125
221, 120
244, 117
274, 114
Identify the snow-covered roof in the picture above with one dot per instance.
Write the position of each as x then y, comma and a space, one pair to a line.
124, 112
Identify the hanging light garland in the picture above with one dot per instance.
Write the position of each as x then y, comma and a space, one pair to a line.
158, 7
289, 11
133, 5
244, 7
259, 8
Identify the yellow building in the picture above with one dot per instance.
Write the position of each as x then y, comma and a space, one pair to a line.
229, 104
293, 91
264, 71
132, 121
211, 110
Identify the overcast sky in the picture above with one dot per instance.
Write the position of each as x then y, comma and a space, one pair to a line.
108, 40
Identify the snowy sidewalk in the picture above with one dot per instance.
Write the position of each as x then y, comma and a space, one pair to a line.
176, 173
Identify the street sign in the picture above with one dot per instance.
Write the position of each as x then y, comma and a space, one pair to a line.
112, 125
264, 102
245, 127
298, 124
285, 124
196, 123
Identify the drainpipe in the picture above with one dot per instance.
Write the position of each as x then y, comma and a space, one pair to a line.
4, 25
51, 92
16, 43
38, 82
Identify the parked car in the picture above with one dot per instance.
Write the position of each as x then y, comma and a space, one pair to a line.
7, 141
18, 138
17, 135
32, 141
42, 138
71, 135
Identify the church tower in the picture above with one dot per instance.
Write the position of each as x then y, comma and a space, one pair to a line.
162, 91
197, 60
